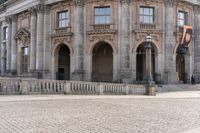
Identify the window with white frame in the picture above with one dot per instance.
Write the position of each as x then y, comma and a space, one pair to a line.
63, 18
146, 15
102, 15
182, 18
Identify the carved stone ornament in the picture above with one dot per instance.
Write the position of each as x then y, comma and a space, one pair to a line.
11, 18
170, 3
33, 11
23, 36
40, 8
8, 19
125, 1
101, 37
140, 35
78, 2
197, 9
61, 40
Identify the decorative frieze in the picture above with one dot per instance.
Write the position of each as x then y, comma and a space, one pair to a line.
61, 40
103, 35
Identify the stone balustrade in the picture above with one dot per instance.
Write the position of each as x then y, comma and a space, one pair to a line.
36, 86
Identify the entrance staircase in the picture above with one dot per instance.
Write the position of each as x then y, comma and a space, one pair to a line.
178, 87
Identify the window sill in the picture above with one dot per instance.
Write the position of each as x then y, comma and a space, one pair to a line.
62, 29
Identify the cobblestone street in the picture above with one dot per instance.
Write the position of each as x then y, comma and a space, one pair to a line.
98, 114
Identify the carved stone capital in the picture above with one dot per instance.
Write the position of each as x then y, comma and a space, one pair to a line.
197, 9
170, 3
33, 11
78, 2
40, 8
125, 1
47, 9
11, 18
8, 19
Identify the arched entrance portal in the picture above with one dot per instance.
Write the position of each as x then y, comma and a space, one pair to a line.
180, 67
63, 72
102, 63
141, 62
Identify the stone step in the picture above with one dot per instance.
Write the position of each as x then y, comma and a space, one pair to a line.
178, 87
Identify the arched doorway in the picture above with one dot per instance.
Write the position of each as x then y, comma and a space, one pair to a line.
180, 67
63, 69
102, 63
141, 62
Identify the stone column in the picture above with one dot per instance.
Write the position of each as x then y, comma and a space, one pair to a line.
14, 46
170, 74
1, 39
33, 40
8, 45
197, 43
40, 38
125, 40
78, 39
148, 74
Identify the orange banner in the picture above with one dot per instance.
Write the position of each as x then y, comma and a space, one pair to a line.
187, 35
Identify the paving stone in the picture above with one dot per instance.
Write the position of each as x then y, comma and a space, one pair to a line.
117, 115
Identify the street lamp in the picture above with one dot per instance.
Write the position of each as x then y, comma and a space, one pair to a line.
148, 47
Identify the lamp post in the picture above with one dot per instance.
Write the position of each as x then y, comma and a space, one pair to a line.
148, 47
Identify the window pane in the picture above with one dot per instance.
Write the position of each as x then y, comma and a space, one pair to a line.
108, 11
141, 11
146, 11
151, 11
146, 19
108, 20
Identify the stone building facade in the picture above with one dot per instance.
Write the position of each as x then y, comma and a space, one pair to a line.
98, 40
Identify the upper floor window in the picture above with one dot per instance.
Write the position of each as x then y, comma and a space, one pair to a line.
147, 15
63, 19
182, 18
5, 33
102, 15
